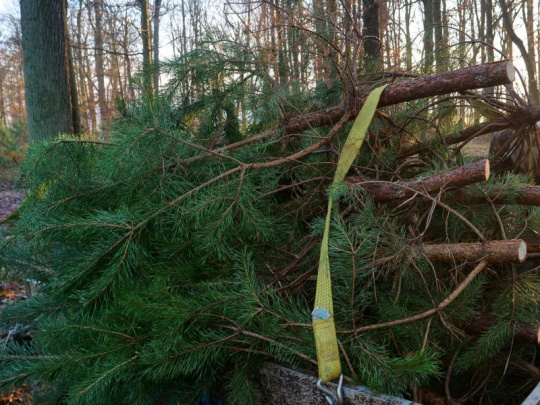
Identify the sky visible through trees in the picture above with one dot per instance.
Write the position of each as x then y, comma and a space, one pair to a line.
416, 37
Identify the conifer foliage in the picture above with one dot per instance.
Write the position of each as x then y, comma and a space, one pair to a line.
177, 256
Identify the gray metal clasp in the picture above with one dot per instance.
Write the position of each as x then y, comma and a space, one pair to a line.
332, 398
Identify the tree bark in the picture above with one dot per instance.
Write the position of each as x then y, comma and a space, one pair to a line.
408, 39
440, 58
46, 70
428, 35
73, 94
100, 73
527, 195
497, 251
157, 9
372, 46
451, 179
148, 85
2, 102
526, 332
489, 29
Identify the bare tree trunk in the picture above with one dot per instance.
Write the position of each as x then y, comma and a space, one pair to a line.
100, 74
83, 94
489, 29
127, 60
408, 40
318, 12
461, 35
2, 103
91, 95
148, 85
529, 23
372, 46
184, 32
527, 59
440, 59
89, 80
428, 35
74, 99
115, 73
157, 9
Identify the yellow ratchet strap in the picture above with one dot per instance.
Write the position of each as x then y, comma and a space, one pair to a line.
324, 327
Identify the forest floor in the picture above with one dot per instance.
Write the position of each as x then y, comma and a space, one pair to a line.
10, 199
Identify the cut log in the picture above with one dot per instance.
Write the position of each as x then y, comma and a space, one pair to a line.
428, 397
526, 332
527, 195
497, 251
286, 386
451, 179
533, 245
474, 77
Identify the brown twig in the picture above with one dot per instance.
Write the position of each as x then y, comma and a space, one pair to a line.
447, 301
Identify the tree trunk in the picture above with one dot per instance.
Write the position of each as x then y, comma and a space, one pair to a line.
490, 35
100, 74
440, 58
83, 95
157, 9
75, 110
46, 70
372, 45
148, 85
127, 60
527, 195
2, 102
482, 323
529, 24
527, 59
408, 40
428, 35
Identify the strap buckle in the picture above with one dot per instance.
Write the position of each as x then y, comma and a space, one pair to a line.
331, 397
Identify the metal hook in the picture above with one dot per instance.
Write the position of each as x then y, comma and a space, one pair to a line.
333, 399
